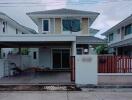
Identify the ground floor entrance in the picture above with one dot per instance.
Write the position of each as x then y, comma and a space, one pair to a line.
61, 58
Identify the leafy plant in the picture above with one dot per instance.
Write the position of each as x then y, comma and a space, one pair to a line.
101, 49
24, 51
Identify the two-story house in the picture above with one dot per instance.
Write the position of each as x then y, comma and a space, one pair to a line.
120, 38
62, 35
65, 23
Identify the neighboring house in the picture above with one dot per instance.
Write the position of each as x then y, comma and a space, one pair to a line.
8, 26
64, 36
120, 38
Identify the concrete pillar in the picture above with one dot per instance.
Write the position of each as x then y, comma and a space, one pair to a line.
74, 48
116, 51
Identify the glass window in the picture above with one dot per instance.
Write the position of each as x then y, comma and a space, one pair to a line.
79, 51
16, 31
45, 25
4, 26
71, 25
34, 55
111, 36
128, 29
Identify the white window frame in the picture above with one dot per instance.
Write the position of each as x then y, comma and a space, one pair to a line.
48, 25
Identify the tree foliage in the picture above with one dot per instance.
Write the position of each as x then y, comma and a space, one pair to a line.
101, 49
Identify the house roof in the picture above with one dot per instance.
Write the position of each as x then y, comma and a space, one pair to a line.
62, 13
122, 43
120, 24
29, 29
11, 21
89, 40
93, 31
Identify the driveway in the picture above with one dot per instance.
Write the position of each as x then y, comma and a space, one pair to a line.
43, 95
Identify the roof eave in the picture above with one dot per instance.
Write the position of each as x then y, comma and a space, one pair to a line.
14, 23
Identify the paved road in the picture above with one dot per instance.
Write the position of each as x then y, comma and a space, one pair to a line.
26, 95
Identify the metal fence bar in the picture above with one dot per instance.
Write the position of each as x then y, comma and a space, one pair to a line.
73, 68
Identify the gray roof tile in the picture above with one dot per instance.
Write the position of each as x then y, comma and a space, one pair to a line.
63, 11
89, 40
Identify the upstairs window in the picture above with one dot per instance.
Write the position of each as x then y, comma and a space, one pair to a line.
111, 37
34, 55
128, 29
16, 31
45, 24
72, 25
4, 26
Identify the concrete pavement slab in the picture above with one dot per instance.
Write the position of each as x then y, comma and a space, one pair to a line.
64, 95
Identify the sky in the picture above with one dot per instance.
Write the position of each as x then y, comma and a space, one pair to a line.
111, 11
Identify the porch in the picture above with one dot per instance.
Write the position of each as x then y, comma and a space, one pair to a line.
46, 77
46, 63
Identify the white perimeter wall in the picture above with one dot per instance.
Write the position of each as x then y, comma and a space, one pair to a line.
23, 61
1, 68
86, 69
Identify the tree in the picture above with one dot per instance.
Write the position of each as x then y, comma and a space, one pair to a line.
24, 51
102, 49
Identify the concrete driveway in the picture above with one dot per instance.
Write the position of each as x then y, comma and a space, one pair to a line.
28, 95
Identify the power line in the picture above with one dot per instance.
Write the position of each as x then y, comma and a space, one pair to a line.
93, 1
32, 4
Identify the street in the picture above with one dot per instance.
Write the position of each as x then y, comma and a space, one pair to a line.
64, 95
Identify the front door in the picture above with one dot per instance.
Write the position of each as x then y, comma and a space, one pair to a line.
61, 58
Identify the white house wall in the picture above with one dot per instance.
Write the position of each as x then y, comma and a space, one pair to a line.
45, 58
1, 26
1, 68
34, 62
39, 24
11, 30
52, 28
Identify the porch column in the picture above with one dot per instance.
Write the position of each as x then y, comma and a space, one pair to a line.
116, 52
74, 48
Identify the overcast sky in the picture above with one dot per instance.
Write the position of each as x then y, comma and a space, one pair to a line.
111, 11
